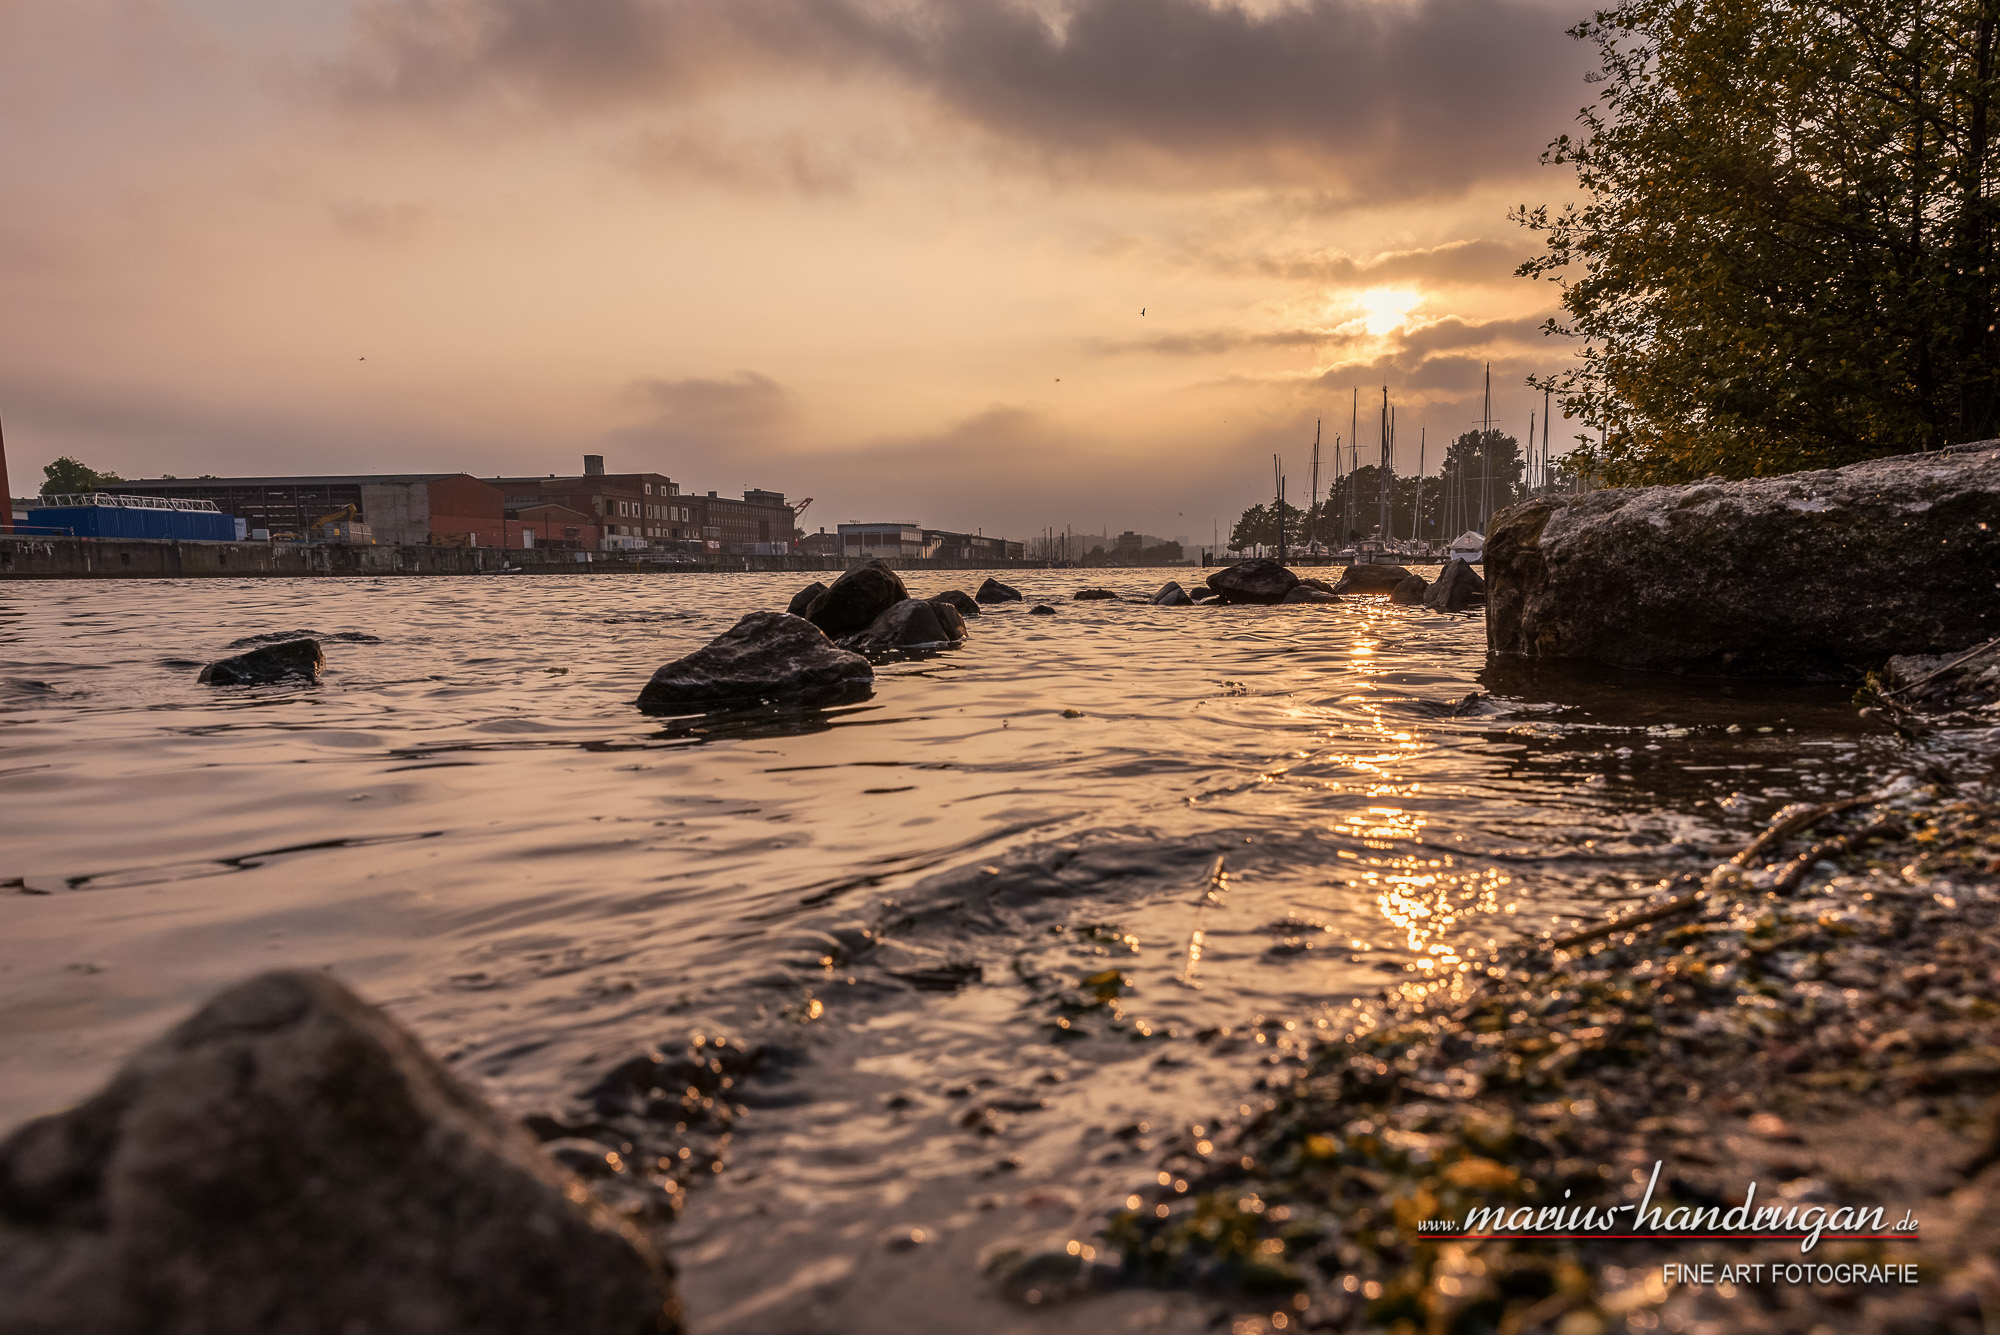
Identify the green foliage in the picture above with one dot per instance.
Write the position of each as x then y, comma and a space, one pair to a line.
1258, 526
1784, 254
67, 477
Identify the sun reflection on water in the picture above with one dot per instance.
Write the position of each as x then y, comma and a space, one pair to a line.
1423, 895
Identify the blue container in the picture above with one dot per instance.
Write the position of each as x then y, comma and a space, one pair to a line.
135, 521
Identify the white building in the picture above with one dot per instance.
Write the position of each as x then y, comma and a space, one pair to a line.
882, 539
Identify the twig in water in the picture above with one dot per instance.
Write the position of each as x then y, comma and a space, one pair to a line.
1928, 677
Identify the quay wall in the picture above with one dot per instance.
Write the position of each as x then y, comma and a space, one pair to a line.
30, 557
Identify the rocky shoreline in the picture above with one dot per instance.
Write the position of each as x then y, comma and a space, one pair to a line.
1819, 1015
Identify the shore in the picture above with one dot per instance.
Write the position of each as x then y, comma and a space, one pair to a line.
1820, 1015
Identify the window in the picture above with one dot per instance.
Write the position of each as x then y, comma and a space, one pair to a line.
649, 489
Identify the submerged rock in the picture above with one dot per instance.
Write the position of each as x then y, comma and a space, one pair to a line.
1041, 610
289, 1159
1171, 594
993, 591
1370, 578
1302, 594
1201, 593
1094, 595
292, 660
1820, 574
1458, 587
856, 599
1256, 581
958, 600
1409, 593
765, 656
1319, 584
911, 624
1944, 683
802, 601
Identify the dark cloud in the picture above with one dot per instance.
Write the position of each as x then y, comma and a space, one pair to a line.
1454, 332
1217, 342
1382, 100
746, 409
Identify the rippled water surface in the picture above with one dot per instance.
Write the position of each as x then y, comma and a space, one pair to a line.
993, 931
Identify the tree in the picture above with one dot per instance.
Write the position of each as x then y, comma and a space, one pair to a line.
1467, 460
67, 477
1258, 527
1784, 257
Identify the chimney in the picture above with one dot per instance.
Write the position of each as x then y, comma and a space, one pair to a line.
593, 465
6, 496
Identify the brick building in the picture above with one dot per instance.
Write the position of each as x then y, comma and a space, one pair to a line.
641, 511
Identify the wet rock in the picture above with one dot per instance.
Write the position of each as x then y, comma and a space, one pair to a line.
1410, 593
1171, 594
856, 599
765, 656
289, 1159
1041, 610
1095, 595
993, 591
1819, 574
1256, 581
1302, 594
292, 660
802, 601
960, 601
1201, 593
1458, 587
1944, 683
1370, 578
1319, 584
911, 624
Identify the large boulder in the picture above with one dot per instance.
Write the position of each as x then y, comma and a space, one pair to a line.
1171, 594
856, 599
803, 600
290, 1160
1409, 593
765, 656
1095, 595
911, 624
1370, 578
993, 591
1820, 574
291, 660
1458, 587
1257, 581
958, 600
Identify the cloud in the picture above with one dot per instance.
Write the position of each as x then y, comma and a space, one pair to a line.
790, 162
1368, 99
1218, 342
746, 408
377, 220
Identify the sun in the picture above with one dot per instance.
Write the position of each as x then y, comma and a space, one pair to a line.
1383, 308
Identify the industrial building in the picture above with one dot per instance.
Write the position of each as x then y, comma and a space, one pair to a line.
152, 518
912, 541
427, 509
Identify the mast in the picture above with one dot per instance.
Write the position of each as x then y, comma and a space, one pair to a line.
1312, 514
1486, 452
1545, 437
1417, 505
1278, 477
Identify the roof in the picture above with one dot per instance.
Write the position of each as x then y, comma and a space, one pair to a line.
129, 486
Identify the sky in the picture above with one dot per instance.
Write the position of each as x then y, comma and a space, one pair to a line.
1004, 265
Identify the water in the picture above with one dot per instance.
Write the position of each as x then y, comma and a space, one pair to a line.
976, 924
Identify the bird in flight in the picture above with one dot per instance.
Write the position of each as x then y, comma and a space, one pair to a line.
1142, 310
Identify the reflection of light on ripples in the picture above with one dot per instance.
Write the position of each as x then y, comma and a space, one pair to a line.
1422, 896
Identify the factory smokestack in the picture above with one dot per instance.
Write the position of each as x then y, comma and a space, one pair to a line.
593, 465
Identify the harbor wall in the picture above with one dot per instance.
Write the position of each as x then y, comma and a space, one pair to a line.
32, 557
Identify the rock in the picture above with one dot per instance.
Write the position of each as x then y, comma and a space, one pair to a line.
963, 603
1319, 584
291, 660
1944, 683
1410, 593
911, 624
1256, 581
1094, 595
765, 656
1041, 610
1303, 594
1201, 593
802, 601
289, 1159
1370, 578
1171, 594
993, 591
1822, 574
856, 599
1458, 587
